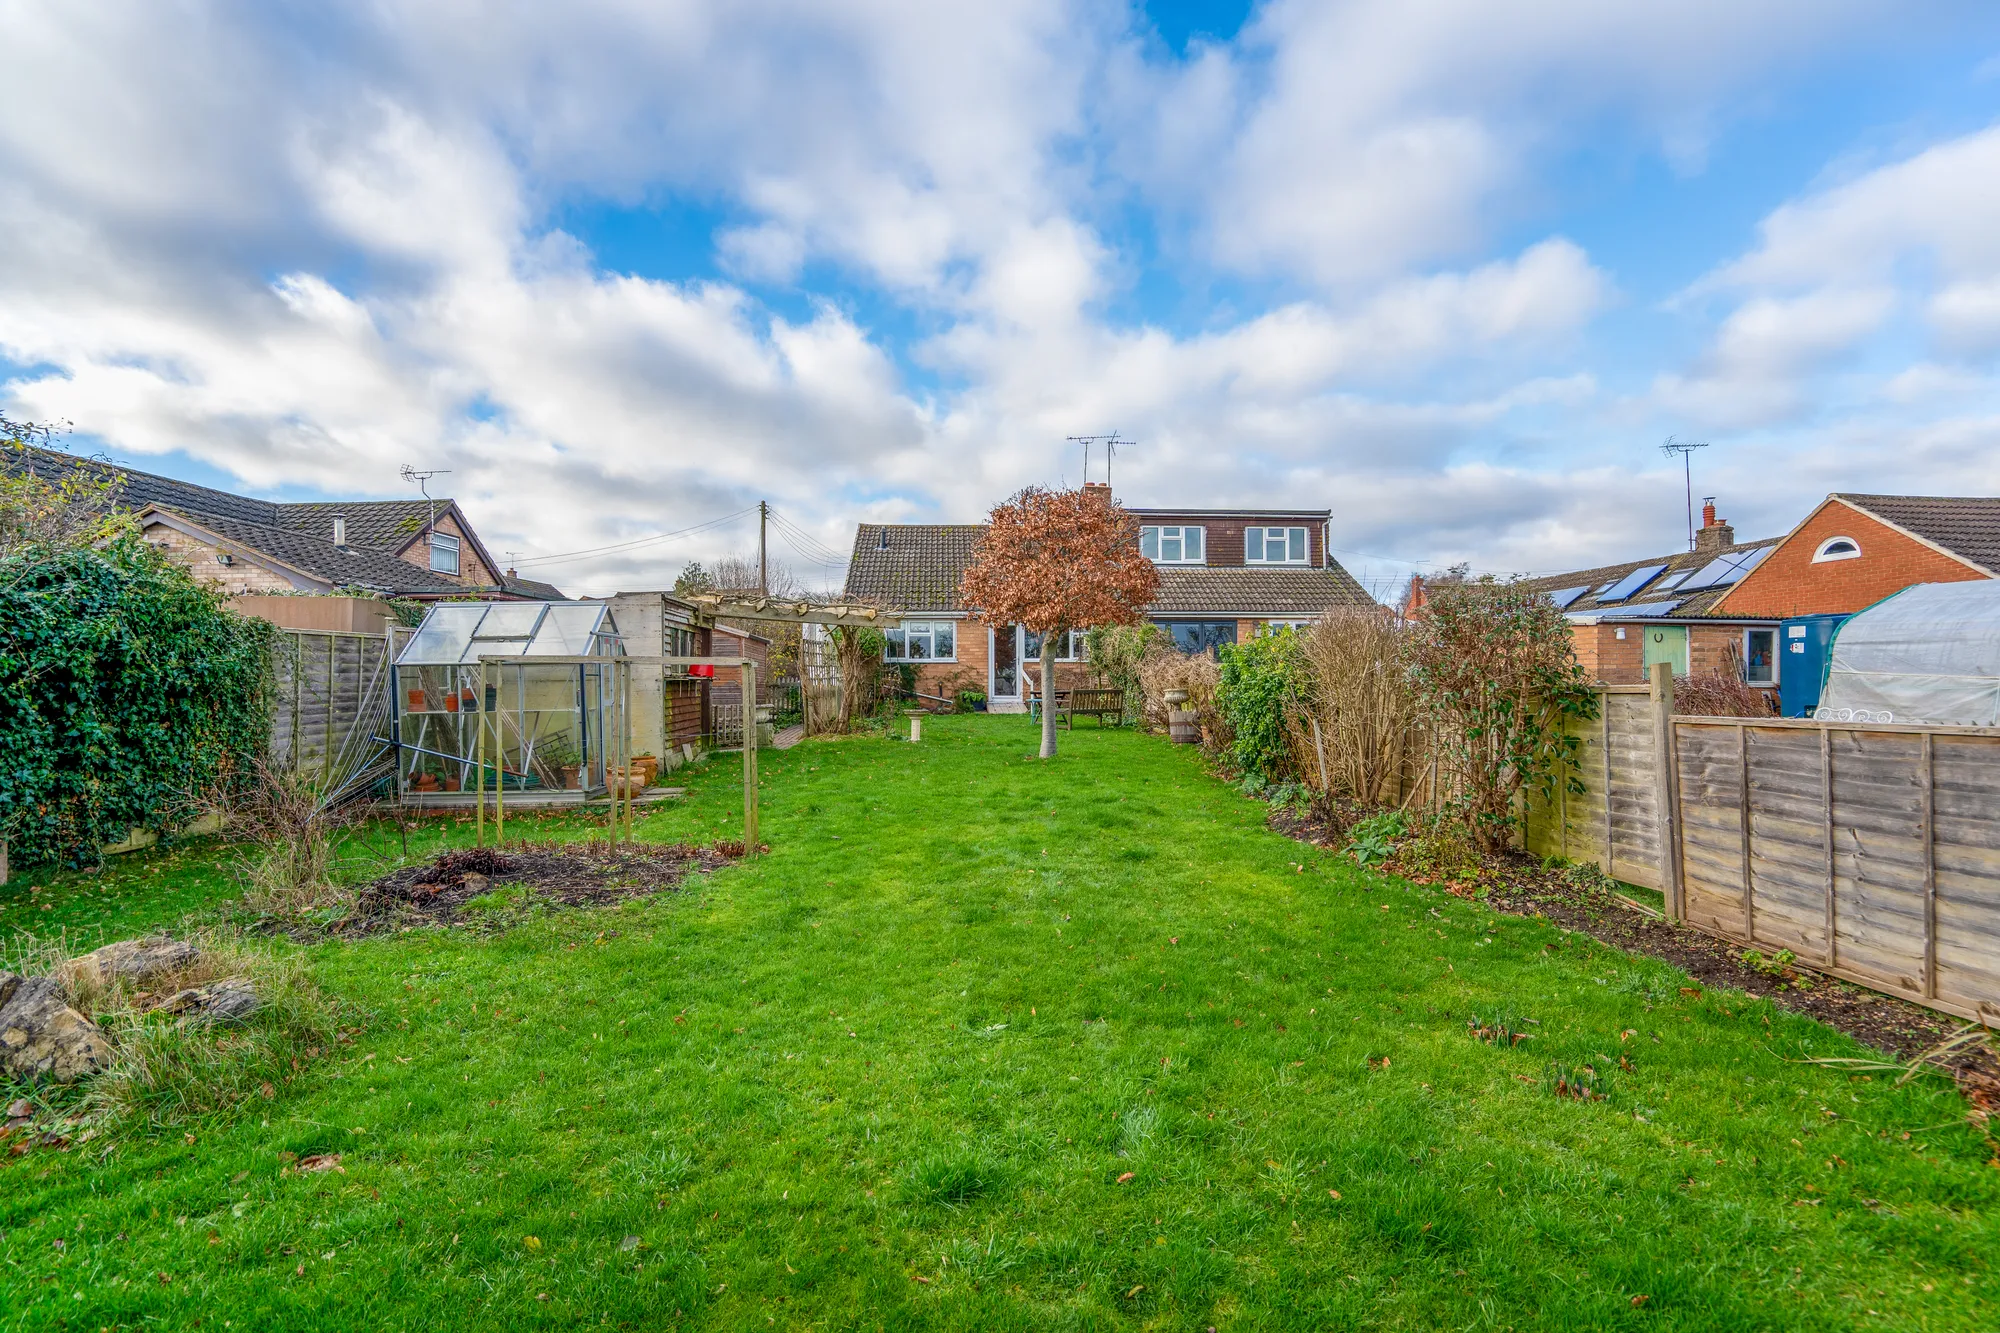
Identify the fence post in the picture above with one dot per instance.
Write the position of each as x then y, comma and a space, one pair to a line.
749, 760
1666, 804
1930, 867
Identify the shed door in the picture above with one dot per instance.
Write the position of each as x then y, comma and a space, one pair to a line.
1666, 643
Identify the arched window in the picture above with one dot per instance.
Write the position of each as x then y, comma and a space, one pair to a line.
1837, 548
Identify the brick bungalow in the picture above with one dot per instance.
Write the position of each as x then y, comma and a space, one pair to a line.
1668, 608
1226, 575
424, 550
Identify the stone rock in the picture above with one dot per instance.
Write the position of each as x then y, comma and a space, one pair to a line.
41, 1036
134, 961
230, 1000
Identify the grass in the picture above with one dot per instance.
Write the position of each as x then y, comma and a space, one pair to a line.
989, 1043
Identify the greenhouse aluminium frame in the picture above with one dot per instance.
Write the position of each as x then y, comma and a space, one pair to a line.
543, 675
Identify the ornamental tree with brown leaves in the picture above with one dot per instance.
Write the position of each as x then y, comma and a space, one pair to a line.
1055, 561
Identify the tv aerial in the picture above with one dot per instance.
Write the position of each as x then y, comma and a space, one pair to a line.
1110, 443
1685, 448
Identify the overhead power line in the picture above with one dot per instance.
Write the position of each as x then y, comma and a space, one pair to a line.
565, 557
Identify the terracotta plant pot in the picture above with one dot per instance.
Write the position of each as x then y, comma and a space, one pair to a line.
569, 772
416, 701
451, 703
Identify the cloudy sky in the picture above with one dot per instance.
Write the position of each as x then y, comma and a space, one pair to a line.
1454, 268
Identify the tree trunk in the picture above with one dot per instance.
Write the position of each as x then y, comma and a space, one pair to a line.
1049, 695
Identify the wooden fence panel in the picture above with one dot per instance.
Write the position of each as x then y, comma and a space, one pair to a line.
1966, 794
330, 698
1871, 852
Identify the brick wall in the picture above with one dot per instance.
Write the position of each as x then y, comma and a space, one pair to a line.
240, 576
1606, 657
1788, 583
472, 571
968, 669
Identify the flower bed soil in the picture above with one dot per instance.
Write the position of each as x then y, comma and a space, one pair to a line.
560, 875
1588, 904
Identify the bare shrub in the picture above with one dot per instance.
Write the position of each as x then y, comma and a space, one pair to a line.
289, 816
1165, 668
1352, 724
1720, 693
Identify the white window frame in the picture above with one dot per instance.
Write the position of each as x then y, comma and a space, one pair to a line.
898, 637
1154, 537
1824, 553
1773, 632
1285, 535
444, 544
1276, 626
1031, 651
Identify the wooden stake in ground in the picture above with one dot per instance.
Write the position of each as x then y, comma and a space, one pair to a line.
1054, 561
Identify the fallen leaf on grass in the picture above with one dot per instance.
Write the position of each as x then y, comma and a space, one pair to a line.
1638, 1301
1333, 1194
1127, 1176
532, 1242
322, 1161
629, 1244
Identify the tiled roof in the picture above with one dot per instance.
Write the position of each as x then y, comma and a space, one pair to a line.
1195, 590
342, 567
1692, 607
917, 567
911, 567
299, 535
1968, 526
386, 525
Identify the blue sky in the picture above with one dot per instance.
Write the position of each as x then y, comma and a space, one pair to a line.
1451, 268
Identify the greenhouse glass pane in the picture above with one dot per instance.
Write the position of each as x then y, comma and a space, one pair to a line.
444, 636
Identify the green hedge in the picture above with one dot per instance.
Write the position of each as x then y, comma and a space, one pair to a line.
1258, 678
127, 692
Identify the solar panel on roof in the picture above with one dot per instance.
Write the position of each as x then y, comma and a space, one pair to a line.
1726, 569
1631, 583
1562, 597
1649, 609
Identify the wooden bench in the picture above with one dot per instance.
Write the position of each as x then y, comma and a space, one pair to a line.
1095, 701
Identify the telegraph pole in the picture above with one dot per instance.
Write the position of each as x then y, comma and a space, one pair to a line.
763, 559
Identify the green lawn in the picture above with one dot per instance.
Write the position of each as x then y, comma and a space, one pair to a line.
993, 1043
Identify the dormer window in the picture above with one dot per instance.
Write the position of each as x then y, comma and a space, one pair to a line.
444, 553
1274, 546
1173, 546
1837, 548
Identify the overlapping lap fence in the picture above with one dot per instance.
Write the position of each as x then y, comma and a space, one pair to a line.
1871, 851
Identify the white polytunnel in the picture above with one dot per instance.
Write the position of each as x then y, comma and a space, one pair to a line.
1929, 654
551, 717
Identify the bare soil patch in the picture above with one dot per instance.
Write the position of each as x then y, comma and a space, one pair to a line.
440, 891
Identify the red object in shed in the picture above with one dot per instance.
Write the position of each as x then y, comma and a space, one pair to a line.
702, 670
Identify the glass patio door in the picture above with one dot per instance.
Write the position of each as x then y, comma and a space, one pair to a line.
1006, 662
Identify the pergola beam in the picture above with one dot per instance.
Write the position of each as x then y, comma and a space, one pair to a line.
797, 612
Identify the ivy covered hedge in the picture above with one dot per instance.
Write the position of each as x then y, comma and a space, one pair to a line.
127, 692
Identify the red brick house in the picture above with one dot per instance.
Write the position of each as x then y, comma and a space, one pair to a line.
1226, 575
1854, 550
424, 550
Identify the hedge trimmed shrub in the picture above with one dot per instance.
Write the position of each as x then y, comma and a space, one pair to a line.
128, 693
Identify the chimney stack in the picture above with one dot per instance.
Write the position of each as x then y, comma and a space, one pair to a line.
1715, 534
1097, 488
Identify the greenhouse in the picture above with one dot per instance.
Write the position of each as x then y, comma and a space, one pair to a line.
548, 674
1928, 654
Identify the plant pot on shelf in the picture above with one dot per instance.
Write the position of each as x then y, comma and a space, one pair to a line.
569, 772
451, 703
416, 701
451, 783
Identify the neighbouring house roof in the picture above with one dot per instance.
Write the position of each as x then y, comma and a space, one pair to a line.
911, 566
298, 535
1640, 601
1965, 526
1229, 590
917, 567
338, 567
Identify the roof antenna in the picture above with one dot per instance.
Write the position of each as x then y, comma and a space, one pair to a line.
1110, 443
1686, 450
422, 479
